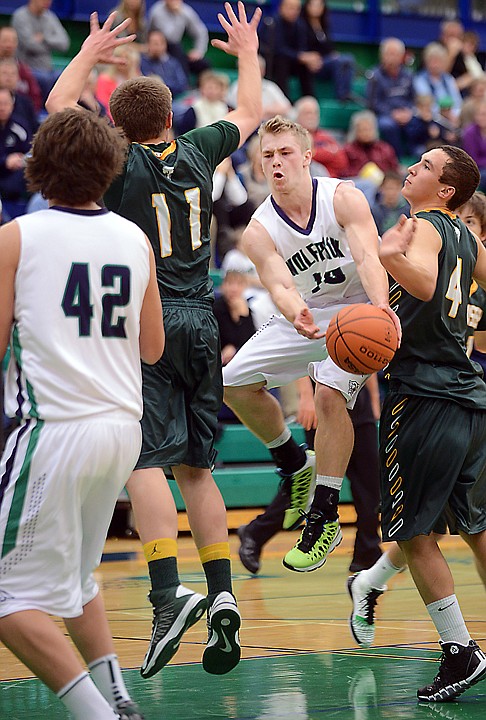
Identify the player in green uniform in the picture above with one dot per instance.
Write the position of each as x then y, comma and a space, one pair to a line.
433, 424
166, 189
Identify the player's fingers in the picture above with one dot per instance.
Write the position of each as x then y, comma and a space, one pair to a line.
224, 23
93, 22
255, 20
120, 27
231, 15
109, 21
242, 13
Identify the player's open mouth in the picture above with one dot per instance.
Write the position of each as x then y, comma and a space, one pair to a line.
278, 175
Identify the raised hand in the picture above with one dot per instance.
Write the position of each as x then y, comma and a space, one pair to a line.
242, 35
397, 239
102, 41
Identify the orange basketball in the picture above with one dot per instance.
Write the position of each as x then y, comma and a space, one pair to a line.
361, 339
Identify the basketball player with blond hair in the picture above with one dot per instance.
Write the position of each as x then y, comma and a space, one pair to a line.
315, 247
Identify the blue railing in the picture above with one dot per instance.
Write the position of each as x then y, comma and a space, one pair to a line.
355, 21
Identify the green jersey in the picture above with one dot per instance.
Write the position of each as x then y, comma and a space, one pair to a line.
432, 359
166, 190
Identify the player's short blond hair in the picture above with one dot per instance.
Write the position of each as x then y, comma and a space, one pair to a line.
279, 124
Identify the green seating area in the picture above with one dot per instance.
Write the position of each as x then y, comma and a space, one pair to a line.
245, 473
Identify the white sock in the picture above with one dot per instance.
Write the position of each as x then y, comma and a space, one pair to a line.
280, 440
328, 481
106, 674
378, 575
447, 618
83, 700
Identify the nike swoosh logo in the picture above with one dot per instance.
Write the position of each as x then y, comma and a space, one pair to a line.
227, 645
445, 607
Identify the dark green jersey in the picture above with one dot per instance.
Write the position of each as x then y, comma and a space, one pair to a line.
432, 359
166, 190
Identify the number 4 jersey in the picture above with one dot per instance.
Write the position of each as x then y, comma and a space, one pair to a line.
79, 289
318, 256
432, 359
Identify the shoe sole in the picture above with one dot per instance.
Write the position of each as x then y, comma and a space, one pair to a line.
453, 691
365, 644
337, 541
168, 646
223, 651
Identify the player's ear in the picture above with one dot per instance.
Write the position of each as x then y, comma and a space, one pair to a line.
307, 157
168, 124
447, 192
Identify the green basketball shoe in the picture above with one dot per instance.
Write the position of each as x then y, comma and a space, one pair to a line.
317, 540
300, 488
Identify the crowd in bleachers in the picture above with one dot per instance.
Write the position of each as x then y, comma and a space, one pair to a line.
408, 110
408, 103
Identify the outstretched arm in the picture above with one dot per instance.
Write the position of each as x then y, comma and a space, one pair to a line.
97, 48
276, 278
243, 43
9, 260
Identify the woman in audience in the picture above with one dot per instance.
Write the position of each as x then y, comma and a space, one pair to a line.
135, 10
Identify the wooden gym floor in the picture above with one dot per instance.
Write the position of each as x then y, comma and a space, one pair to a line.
299, 659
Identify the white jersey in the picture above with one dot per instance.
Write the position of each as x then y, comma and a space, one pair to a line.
317, 256
79, 289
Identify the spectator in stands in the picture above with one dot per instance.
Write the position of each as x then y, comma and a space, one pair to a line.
40, 32
15, 142
283, 44
436, 81
389, 203
231, 207
23, 111
461, 47
477, 93
233, 314
208, 106
27, 84
113, 75
135, 10
429, 129
158, 61
390, 95
321, 57
325, 148
474, 141
176, 19
274, 101
252, 173
88, 98
368, 157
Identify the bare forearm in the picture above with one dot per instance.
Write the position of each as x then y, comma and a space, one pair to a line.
287, 300
71, 82
374, 280
415, 279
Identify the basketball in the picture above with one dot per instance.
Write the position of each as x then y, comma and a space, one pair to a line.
361, 339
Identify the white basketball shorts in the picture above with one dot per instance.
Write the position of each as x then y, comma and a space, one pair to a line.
59, 483
276, 354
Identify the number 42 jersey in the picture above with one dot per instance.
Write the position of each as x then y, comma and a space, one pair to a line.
79, 289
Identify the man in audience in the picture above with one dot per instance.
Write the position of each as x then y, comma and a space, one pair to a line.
391, 96
177, 19
23, 110
39, 33
325, 148
158, 61
27, 84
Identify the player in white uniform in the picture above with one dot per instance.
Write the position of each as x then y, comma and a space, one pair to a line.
315, 246
79, 305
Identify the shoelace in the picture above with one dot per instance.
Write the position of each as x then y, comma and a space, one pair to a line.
312, 530
367, 606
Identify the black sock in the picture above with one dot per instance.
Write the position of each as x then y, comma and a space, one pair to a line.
218, 576
289, 457
326, 501
163, 574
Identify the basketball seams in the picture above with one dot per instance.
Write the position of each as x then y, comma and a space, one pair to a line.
365, 347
